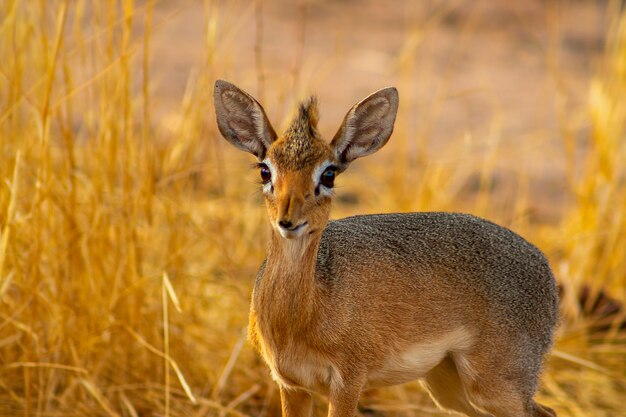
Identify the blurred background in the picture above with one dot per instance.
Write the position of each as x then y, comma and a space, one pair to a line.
130, 231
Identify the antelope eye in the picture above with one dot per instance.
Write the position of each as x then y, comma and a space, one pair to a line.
328, 178
266, 175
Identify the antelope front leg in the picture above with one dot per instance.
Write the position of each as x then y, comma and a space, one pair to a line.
295, 403
343, 400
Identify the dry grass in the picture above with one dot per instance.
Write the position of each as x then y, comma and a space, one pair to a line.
127, 248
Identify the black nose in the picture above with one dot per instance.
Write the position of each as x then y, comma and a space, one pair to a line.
285, 223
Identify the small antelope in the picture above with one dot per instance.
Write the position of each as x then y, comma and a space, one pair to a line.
370, 301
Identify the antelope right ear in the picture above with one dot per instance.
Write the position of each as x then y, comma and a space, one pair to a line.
367, 127
242, 120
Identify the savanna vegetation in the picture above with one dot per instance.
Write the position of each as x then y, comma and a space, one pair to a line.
130, 232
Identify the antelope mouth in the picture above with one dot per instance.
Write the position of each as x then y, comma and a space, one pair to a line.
298, 227
294, 231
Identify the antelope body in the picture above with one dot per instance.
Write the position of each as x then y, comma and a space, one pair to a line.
368, 301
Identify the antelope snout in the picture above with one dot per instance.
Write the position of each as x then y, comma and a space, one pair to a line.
285, 224
289, 223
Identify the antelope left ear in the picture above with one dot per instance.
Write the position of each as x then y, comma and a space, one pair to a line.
242, 120
367, 127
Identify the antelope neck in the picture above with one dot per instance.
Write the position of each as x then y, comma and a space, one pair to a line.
288, 284
292, 258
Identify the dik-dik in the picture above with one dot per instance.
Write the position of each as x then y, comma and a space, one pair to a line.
340, 306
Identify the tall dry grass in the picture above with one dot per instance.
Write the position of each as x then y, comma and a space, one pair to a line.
127, 248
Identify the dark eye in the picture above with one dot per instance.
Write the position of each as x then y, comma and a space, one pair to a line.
328, 178
266, 175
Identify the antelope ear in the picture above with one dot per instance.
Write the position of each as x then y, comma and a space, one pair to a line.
367, 127
242, 120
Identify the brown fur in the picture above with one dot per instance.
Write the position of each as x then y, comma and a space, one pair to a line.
366, 301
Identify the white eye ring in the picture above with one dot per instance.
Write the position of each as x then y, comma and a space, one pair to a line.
266, 175
321, 189
268, 187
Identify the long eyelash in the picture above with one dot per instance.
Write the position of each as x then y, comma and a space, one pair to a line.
257, 165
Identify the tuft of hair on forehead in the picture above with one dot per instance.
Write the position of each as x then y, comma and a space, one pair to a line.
308, 109
304, 124
301, 145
